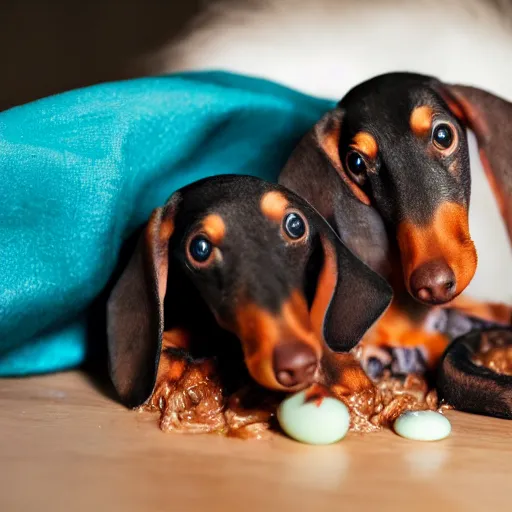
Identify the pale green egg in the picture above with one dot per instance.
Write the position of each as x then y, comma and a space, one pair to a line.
323, 422
423, 426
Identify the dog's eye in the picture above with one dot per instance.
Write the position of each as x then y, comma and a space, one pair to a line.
200, 249
356, 166
294, 226
442, 136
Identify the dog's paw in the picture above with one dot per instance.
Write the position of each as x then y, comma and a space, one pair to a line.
189, 396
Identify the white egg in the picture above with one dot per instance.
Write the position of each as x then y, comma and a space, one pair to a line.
323, 421
422, 425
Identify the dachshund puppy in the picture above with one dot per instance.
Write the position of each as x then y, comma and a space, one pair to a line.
390, 167
236, 260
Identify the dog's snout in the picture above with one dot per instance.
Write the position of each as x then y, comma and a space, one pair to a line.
433, 283
294, 364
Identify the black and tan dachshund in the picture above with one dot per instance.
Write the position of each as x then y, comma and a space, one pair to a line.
389, 169
236, 261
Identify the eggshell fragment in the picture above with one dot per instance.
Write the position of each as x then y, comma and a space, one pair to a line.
318, 422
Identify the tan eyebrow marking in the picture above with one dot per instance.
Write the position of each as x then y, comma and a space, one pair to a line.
214, 227
273, 204
366, 143
421, 120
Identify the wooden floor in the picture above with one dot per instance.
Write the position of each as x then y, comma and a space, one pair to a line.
65, 446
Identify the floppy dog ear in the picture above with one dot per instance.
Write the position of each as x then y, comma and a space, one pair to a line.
490, 118
135, 314
349, 296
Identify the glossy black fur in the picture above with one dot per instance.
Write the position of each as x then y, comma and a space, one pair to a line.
257, 267
409, 182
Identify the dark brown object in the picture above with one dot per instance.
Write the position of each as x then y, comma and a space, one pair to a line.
475, 373
294, 364
433, 282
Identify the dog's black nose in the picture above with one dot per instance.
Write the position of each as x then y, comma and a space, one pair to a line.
433, 283
294, 364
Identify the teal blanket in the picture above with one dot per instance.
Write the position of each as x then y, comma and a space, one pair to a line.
80, 171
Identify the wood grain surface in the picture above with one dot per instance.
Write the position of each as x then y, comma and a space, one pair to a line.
65, 446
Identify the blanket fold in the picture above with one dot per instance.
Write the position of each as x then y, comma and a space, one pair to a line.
80, 171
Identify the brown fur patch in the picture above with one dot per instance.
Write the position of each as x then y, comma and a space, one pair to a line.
503, 199
166, 229
466, 112
493, 182
259, 333
347, 375
398, 328
273, 204
365, 143
454, 107
420, 120
329, 141
325, 288
157, 234
214, 227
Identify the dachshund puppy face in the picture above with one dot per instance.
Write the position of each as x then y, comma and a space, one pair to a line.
402, 148
256, 261
266, 265
249, 262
